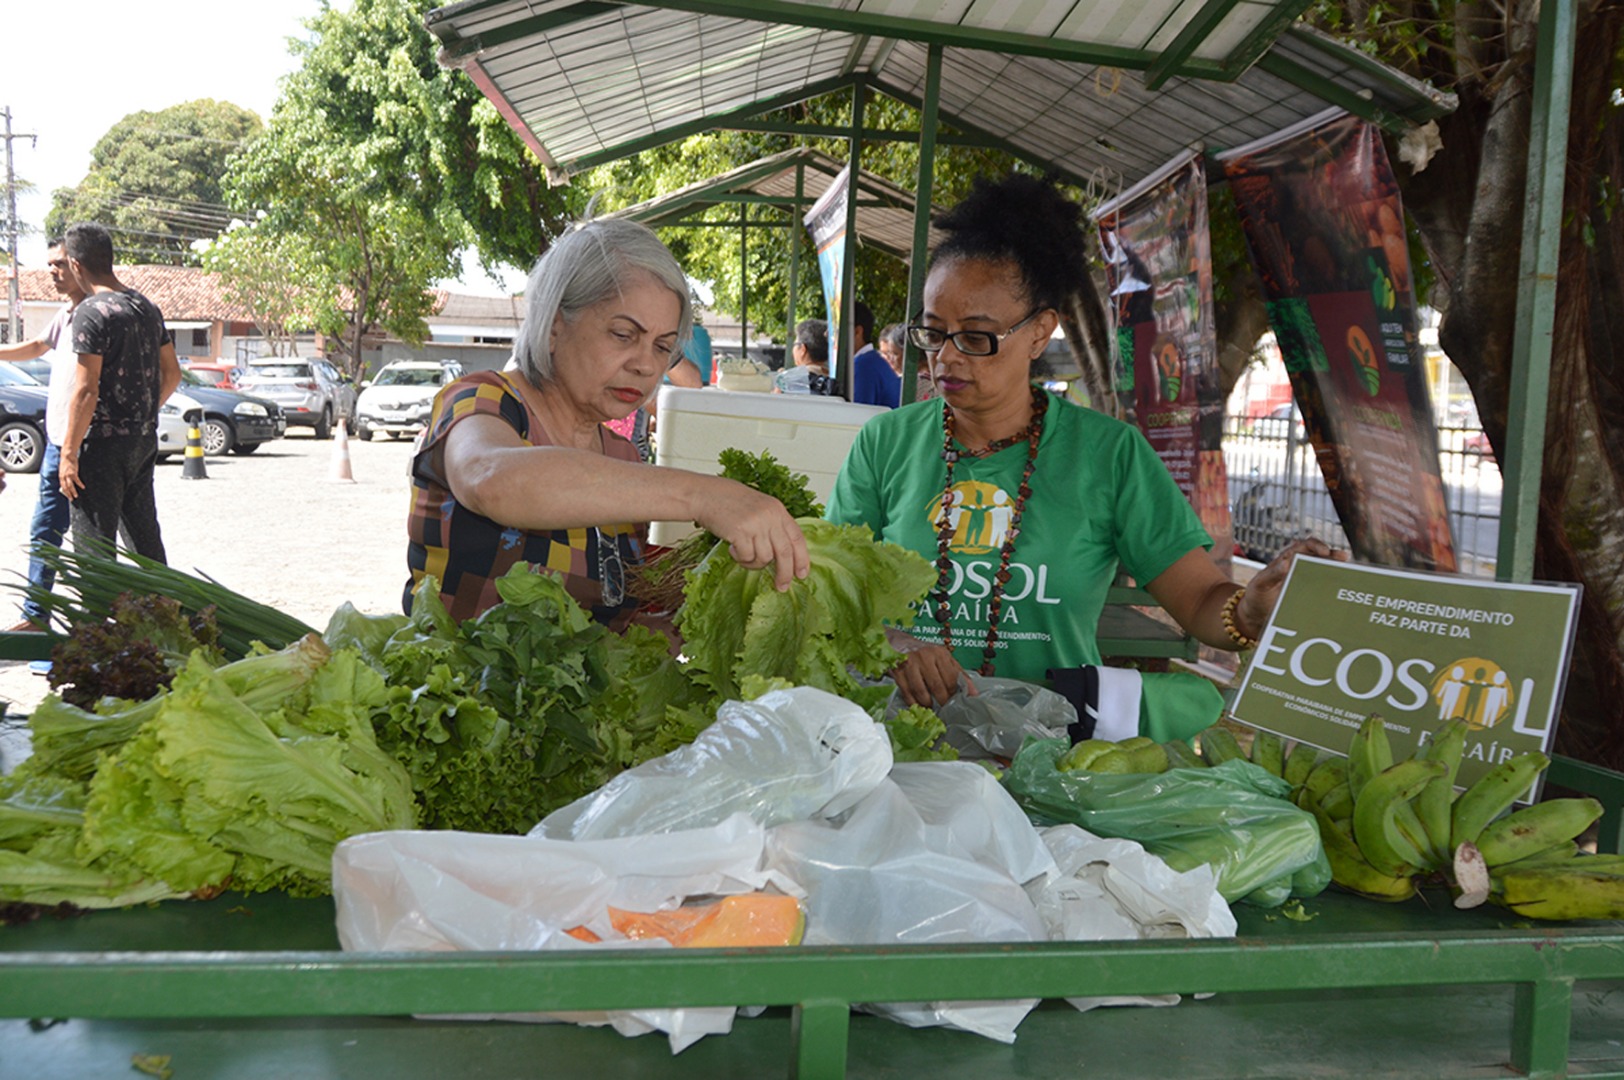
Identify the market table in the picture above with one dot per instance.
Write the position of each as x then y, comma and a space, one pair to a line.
1359, 990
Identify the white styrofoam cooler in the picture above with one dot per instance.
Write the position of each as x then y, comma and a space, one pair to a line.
806, 433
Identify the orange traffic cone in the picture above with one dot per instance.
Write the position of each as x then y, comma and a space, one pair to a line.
341, 455
193, 469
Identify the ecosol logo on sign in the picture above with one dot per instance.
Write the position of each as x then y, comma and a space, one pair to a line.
1477, 690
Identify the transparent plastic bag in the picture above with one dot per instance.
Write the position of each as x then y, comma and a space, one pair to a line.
440, 891
937, 854
787, 755
1233, 816
1000, 716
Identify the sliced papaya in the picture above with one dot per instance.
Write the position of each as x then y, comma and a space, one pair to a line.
748, 920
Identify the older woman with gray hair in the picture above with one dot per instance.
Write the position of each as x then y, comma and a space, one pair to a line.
517, 465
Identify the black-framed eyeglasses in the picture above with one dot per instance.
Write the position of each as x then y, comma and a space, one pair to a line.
968, 342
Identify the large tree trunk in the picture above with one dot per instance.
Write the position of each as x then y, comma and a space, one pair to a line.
1469, 206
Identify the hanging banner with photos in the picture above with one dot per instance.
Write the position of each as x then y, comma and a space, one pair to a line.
1158, 265
826, 222
1348, 640
1320, 209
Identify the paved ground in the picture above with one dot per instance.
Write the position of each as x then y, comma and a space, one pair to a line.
272, 525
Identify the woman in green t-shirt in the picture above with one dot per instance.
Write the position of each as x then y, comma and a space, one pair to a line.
1025, 503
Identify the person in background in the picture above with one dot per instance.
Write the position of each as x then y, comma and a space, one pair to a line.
1026, 504
125, 369
51, 511
696, 366
893, 340
517, 466
872, 380
810, 372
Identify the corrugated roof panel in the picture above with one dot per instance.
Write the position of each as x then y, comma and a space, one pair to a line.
1222, 40
637, 70
1040, 17
888, 226
950, 11
1129, 25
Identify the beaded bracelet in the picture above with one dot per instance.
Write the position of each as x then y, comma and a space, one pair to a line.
1242, 642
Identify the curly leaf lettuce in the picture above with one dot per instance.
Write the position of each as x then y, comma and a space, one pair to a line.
735, 623
212, 790
527, 707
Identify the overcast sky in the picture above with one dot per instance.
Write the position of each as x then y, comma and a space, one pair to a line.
72, 70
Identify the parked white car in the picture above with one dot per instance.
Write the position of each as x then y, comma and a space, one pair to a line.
398, 400
173, 427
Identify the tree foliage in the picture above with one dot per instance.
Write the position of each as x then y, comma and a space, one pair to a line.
377, 167
271, 276
154, 180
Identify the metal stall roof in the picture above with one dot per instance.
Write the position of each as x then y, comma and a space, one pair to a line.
1103, 91
885, 211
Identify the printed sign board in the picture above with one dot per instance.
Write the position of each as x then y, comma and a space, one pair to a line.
1348, 640
1320, 208
826, 222
1158, 263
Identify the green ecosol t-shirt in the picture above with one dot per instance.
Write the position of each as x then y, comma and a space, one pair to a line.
1100, 498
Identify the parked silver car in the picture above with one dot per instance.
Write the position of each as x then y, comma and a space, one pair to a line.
312, 392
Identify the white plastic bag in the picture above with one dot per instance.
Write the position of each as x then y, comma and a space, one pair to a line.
1106, 889
929, 857
966, 811
786, 756
440, 891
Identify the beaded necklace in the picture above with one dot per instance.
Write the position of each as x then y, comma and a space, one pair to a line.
945, 525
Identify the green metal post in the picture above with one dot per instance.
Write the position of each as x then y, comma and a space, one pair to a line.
819, 1032
744, 283
794, 258
1541, 1024
922, 199
848, 259
1536, 289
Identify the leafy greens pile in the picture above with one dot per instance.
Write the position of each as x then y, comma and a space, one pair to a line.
526, 707
246, 774
660, 581
133, 653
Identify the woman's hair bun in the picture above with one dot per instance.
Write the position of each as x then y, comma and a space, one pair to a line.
1023, 219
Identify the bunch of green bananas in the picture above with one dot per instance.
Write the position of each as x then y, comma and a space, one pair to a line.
1385, 825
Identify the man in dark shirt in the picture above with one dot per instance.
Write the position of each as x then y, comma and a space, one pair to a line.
872, 380
126, 370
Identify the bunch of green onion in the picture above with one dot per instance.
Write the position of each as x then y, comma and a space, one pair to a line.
95, 581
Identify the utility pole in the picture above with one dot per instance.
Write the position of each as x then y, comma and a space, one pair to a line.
14, 297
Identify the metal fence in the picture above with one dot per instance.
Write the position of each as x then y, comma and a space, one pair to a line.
1277, 493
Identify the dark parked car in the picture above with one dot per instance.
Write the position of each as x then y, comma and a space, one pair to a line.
232, 421
22, 420
39, 368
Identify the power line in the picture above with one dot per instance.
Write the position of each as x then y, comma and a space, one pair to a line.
200, 219
176, 199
